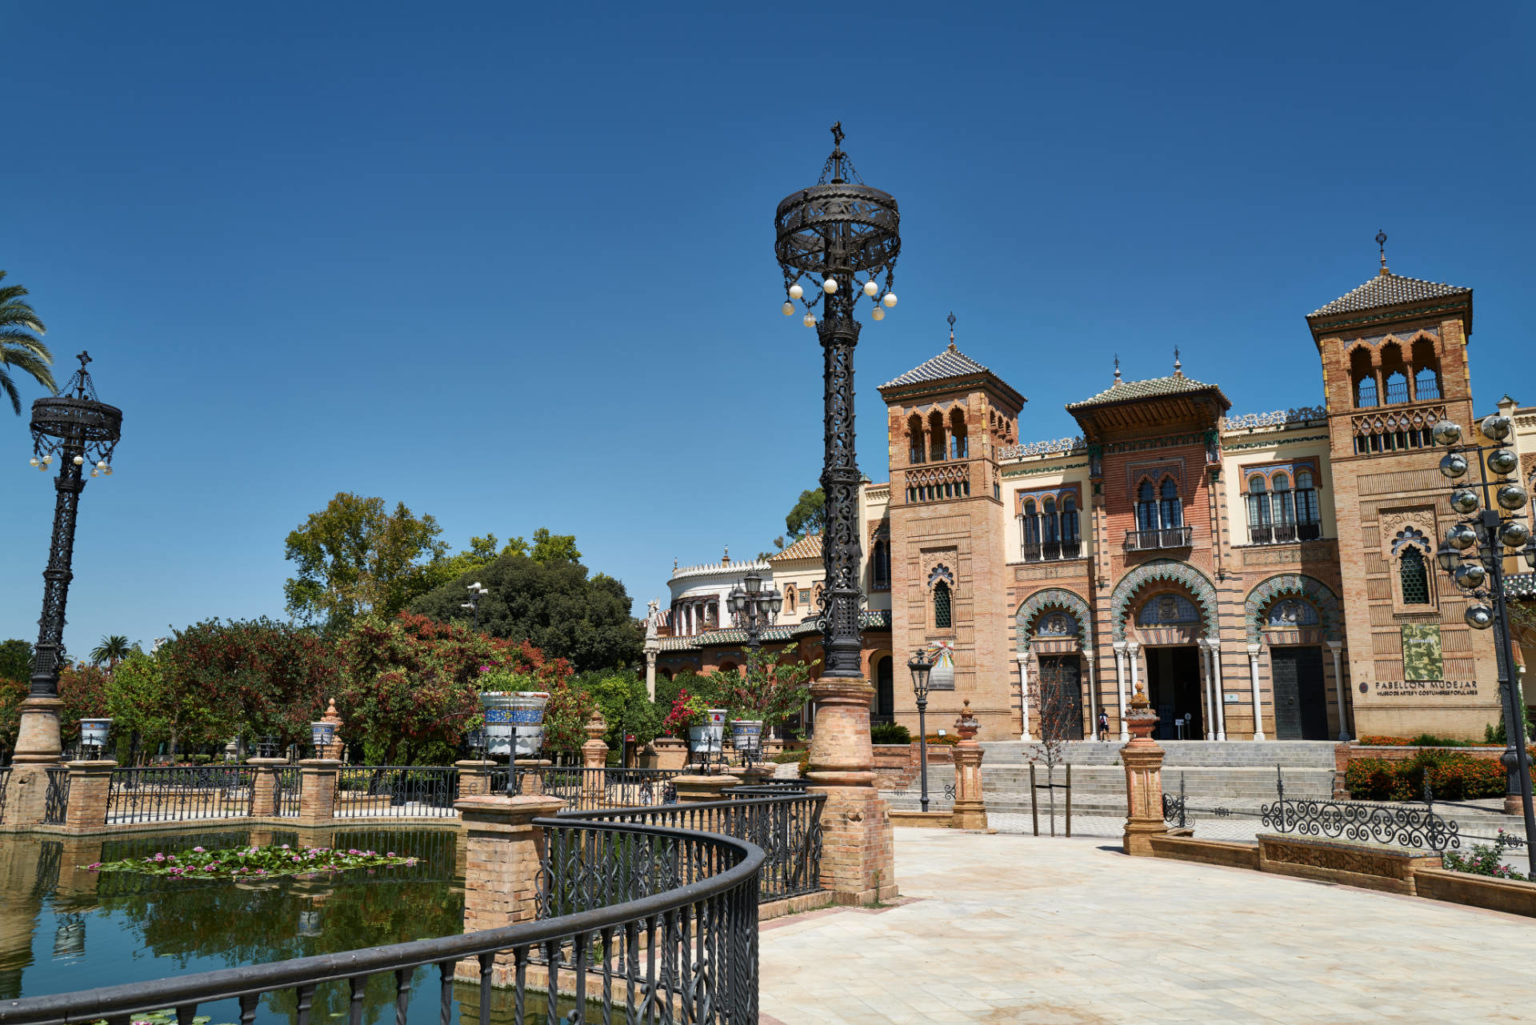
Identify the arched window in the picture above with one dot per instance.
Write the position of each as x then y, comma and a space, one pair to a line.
885, 690
1414, 576
1068, 519
1362, 377
1394, 374
1285, 506
1049, 528
957, 434
1426, 371
1146, 507
1259, 529
941, 605
936, 436
789, 598
1306, 504
1172, 511
1292, 613
915, 439
1031, 525
880, 565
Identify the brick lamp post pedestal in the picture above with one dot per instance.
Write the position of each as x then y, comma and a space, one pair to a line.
970, 811
1143, 760
857, 862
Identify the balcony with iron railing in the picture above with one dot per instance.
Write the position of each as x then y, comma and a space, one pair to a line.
1052, 551
1158, 539
1283, 533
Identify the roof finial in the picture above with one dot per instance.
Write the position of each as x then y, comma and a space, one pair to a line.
725, 560
1381, 243
1117, 368
951, 331
1178, 367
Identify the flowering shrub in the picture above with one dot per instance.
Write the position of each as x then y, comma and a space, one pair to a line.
1451, 776
1485, 859
688, 710
253, 862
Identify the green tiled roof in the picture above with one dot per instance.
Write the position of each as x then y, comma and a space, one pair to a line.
1123, 391
1388, 290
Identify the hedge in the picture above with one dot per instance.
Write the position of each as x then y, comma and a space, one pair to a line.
1452, 777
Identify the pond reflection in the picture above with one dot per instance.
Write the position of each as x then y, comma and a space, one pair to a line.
65, 928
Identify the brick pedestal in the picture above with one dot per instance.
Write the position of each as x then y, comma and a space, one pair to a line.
1143, 760
501, 868
970, 811
317, 791
89, 785
698, 789
857, 861
264, 788
26, 794
474, 778
531, 783
594, 757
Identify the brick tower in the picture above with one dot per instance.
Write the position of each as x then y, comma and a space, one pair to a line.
1394, 357
948, 419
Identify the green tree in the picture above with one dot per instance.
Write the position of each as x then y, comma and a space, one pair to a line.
355, 558
12, 694
19, 345
84, 690
549, 547
15, 660
552, 605
622, 699
808, 516
112, 650
776, 688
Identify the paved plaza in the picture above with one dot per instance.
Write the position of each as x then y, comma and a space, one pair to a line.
1070, 932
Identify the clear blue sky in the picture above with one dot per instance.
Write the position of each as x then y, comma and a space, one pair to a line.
512, 264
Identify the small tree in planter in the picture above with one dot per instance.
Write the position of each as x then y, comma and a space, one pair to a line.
1059, 719
772, 691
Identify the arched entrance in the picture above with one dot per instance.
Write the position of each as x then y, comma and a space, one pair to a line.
1163, 615
885, 690
1296, 618
1054, 632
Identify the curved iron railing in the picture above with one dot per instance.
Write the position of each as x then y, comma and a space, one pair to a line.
673, 936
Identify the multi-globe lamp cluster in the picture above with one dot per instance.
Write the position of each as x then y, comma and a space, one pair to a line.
871, 288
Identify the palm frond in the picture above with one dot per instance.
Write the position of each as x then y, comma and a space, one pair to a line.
9, 387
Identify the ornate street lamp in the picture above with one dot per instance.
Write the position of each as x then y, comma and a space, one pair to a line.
1473, 555
836, 241
75, 428
921, 667
754, 609
476, 592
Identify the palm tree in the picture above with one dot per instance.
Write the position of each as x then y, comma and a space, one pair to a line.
111, 650
19, 345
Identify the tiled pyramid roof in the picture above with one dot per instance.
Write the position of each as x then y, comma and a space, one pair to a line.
1388, 290
1122, 391
949, 363
808, 547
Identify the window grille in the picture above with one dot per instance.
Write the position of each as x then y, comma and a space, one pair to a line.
941, 617
1414, 577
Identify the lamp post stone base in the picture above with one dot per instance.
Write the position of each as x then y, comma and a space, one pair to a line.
857, 861
38, 741
1143, 760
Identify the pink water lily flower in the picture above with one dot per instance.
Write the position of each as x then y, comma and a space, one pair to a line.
197, 850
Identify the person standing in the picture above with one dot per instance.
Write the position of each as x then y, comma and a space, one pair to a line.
1103, 724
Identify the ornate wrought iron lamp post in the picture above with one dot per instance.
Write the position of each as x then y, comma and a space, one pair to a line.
75, 428
476, 592
754, 609
838, 240
921, 667
1473, 553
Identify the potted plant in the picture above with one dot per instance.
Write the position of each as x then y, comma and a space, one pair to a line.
514, 712
691, 715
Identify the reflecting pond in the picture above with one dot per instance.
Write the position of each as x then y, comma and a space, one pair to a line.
63, 927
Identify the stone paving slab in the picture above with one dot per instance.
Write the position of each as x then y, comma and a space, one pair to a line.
1014, 929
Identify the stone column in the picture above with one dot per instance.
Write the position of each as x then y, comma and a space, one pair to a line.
264, 787
970, 810
650, 675
1143, 760
501, 868
1132, 653
1119, 647
1087, 653
317, 790
1023, 661
1219, 690
37, 749
594, 758
1253, 679
1338, 689
474, 777
857, 863
89, 785
1206, 705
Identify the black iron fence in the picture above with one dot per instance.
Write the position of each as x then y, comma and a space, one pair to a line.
56, 800
641, 924
1396, 824
396, 791
5, 781
180, 793
584, 788
786, 827
286, 791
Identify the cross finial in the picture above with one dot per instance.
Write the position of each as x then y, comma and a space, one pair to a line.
1178, 367
837, 134
1117, 368
1381, 243
84, 358
951, 331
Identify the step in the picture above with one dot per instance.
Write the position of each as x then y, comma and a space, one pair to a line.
1318, 754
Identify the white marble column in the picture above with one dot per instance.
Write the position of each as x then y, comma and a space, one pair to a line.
1023, 661
1093, 695
1338, 688
1131, 650
1253, 677
1219, 691
1119, 647
1207, 706
650, 675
